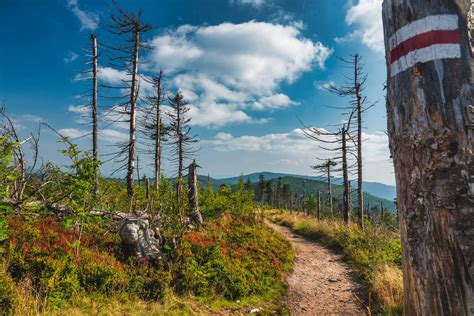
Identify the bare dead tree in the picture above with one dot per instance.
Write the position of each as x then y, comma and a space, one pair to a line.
24, 173
353, 89
339, 142
180, 138
327, 168
154, 127
95, 123
318, 213
431, 131
131, 26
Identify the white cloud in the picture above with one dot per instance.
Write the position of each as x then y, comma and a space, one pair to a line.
366, 16
254, 3
228, 69
71, 56
291, 152
275, 101
324, 85
78, 109
89, 20
72, 132
108, 135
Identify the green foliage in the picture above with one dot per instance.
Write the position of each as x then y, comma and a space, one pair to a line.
7, 293
7, 170
80, 178
234, 257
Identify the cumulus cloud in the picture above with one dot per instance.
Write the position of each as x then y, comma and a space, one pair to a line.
89, 20
226, 70
366, 16
254, 3
108, 135
293, 152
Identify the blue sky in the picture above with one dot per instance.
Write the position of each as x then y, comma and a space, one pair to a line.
247, 68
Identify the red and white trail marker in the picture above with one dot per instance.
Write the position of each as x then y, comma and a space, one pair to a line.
431, 38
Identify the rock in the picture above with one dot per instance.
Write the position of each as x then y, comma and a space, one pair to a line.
255, 310
139, 240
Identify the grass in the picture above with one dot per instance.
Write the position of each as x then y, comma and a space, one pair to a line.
375, 254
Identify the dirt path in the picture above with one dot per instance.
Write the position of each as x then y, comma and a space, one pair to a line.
321, 284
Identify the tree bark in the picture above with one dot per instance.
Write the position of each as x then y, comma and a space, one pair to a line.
158, 132
345, 176
95, 124
319, 204
133, 113
360, 192
431, 141
329, 190
194, 212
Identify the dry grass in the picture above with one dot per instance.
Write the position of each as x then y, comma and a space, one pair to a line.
388, 284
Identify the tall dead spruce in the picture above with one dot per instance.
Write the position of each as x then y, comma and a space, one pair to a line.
430, 123
181, 139
95, 122
353, 89
130, 25
154, 126
337, 142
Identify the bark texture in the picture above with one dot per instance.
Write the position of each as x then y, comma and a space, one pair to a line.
194, 213
133, 111
431, 141
95, 123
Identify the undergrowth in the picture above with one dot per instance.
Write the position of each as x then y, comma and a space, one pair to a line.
375, 254
232, 263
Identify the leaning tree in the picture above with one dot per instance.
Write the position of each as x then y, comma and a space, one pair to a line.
430, 124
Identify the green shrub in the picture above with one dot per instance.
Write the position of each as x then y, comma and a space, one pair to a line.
7, 293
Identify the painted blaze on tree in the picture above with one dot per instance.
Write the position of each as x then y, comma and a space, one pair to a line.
429, 99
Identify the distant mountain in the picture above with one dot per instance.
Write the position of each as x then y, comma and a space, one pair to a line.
312, 185
380, 190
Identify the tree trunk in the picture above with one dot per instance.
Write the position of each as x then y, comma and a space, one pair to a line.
360, 192
158, 132
194, 212
319, 205
95, 124
430, 125
133, 113
345, 176
330, 190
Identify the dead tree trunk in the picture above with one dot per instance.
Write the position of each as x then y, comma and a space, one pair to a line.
345, 176
133, 112
319, 205
430, 125
359, 101
95, 124
158, 131
194, 212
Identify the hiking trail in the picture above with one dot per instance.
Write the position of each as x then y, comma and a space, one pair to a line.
321, 283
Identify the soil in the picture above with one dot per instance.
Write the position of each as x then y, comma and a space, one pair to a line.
321, 283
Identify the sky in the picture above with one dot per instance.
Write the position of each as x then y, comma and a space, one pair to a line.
250, 70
